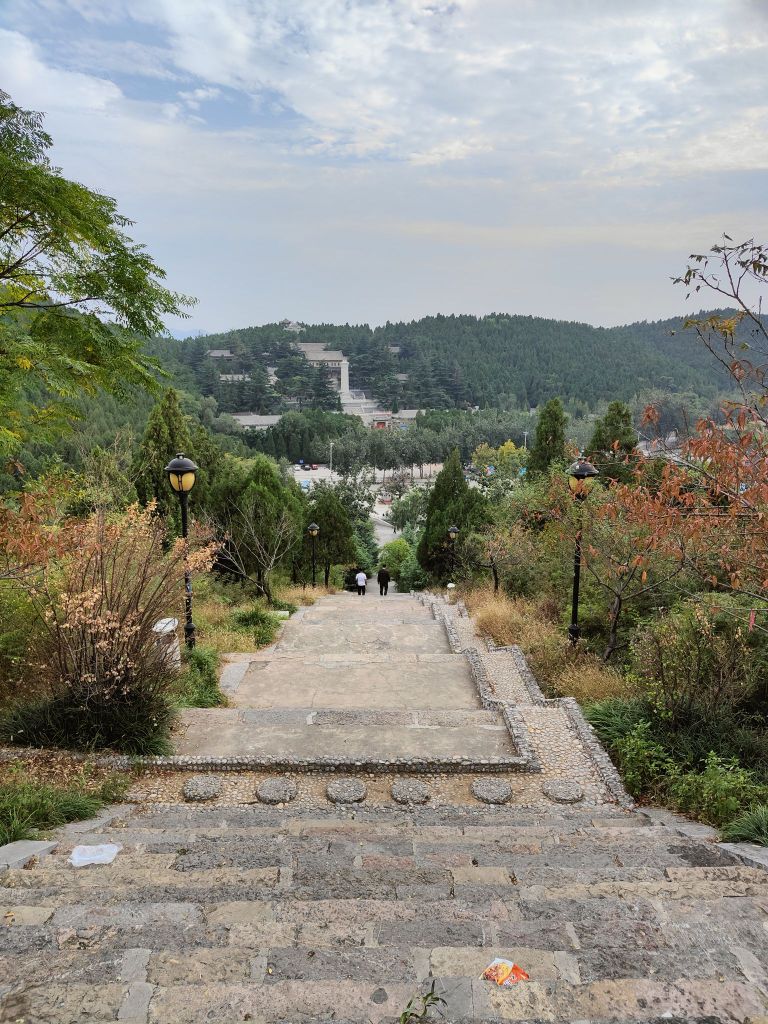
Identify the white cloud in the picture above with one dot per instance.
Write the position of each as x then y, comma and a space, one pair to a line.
326, 140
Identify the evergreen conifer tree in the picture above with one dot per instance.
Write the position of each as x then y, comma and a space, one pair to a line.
166, 434
451, 503
549, 445
613, 443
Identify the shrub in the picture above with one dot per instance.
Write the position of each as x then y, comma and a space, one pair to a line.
200, 681
20, 628
412, 576
108, 681
642, 760
393, 554
264, 625
718, 794
694, 664
749, 827
279, 605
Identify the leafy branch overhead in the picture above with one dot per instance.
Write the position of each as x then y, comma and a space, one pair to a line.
78, 296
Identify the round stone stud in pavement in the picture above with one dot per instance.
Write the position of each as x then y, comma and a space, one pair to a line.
276, 791
492, 791
563, 791
410, 791
346, 791
202, 787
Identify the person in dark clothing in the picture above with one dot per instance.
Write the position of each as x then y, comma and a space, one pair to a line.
383, 580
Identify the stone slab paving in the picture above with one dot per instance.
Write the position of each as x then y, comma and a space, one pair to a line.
244, 731
358, 656
242, 909
367, 681
278, 914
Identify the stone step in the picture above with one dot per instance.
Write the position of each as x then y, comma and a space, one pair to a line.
345, 735
376, 639
374, 1001
499, 823
350, 679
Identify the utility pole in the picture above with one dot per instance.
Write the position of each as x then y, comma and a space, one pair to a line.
331, 443
525, 440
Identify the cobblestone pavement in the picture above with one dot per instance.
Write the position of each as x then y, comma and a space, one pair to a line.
237, 909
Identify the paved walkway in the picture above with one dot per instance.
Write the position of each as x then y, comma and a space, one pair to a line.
366, 677
315, 911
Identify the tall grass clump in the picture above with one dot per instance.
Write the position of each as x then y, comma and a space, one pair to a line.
262, 624
28, 807
749, 827
199, 683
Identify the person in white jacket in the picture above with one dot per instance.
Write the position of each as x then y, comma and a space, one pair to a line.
362, 579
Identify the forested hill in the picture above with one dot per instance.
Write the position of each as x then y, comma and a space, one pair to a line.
496, 360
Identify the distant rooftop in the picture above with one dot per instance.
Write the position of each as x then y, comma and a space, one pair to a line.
253, 421
316, 352
291, 325
220, 353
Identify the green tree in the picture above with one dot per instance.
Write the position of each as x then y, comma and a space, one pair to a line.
77, 295
261, 516
335, 542
614, 443
167, 433
410, 509
549, 445
451, 503
393, 554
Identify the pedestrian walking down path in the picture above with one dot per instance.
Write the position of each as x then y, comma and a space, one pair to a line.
385, 805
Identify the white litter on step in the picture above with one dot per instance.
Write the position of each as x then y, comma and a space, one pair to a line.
104, 853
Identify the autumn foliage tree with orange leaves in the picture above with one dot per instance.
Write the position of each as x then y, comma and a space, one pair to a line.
710, 503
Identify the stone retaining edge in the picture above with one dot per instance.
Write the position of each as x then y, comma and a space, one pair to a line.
604, 766
599, 756
513, 720
380, 766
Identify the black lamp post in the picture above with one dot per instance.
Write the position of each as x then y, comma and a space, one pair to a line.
181, 474
453, 533
313, 529
581, 477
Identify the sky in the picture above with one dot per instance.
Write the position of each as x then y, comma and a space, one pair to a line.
369, 160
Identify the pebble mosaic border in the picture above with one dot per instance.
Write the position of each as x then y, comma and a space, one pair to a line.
604, 766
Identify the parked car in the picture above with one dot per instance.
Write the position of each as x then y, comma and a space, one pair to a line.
314, 466
304, 484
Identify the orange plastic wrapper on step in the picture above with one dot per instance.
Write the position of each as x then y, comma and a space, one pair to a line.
504, 972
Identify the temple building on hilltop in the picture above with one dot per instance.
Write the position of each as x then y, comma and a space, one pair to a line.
337, 363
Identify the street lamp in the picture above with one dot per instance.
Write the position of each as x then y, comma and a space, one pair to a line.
313, 529
181, 474
453, 533
581, 477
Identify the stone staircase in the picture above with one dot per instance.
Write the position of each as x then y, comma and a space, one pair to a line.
273, 914
313, 910
365, 683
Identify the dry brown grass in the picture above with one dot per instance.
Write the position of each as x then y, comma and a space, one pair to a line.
561, 670
216, 629
589, 679
305, 596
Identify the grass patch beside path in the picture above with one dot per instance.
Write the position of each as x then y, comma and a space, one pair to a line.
47, 791
561, 670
